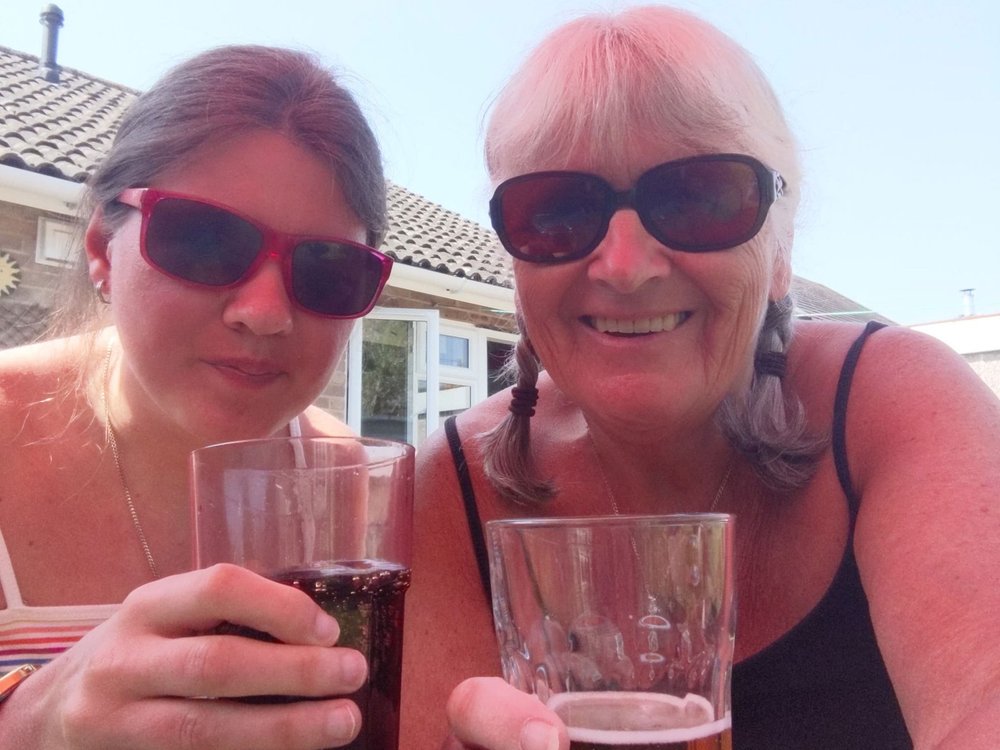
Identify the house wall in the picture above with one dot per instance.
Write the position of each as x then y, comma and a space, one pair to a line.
987, 366
23, 308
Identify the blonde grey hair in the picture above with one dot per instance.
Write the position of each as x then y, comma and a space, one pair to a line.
653, 76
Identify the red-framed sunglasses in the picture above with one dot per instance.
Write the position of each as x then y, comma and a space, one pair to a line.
695, 205
208, 244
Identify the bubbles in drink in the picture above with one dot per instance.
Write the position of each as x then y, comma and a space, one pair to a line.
366, 598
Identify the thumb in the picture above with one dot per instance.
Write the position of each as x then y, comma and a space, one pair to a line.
488, 713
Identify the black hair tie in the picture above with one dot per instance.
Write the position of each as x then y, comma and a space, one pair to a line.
523, 400
771, 363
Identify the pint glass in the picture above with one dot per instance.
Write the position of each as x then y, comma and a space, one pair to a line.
623, 625
333, 518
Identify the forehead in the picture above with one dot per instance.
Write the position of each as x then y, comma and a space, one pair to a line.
267, 176
617, 142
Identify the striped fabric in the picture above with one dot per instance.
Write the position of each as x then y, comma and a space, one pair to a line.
35, 635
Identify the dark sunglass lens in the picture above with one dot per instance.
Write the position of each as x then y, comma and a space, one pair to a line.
335, 279
551, 217
701, 205
200, 243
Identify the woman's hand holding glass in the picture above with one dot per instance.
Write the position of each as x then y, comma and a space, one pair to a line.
156, 675
487, 713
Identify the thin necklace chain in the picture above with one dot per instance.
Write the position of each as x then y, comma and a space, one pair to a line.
611, 494
112, 439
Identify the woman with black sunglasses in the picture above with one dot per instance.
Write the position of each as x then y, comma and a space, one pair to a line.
228, 251
646, 188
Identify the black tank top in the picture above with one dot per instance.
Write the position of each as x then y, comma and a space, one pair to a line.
823, 684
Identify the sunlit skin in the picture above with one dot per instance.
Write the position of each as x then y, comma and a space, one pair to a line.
708, 307
216, 360
190, 365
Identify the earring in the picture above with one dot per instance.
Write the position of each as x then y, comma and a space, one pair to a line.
102, 292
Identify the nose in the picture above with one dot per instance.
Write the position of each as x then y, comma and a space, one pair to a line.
628, 256
261, 303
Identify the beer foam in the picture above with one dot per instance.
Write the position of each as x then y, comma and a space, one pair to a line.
628, 718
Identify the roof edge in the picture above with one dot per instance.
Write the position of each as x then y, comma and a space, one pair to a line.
27, 188
455, 288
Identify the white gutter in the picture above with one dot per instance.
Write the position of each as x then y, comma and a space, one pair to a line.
453, 288
26, 188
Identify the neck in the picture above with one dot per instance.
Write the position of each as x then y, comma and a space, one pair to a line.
648, 474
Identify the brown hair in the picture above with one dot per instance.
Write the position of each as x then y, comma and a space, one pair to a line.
209, 97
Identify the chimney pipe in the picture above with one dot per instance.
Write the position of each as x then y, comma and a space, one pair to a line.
968, 303
52, 19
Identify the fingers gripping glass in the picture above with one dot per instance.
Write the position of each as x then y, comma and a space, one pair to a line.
695, 205
206, 244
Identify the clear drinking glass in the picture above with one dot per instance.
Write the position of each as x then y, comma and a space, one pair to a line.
624, 625
332, 517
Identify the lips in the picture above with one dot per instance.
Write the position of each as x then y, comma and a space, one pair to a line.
248, 368
633, 326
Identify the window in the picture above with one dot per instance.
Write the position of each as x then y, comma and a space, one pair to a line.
407, 370
454, 351
388, 375
55, 244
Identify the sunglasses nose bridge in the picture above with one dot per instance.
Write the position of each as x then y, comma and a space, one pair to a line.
274, 246
619, 199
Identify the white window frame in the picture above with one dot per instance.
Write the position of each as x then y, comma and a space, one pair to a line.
55, 243
354, 367
475, 377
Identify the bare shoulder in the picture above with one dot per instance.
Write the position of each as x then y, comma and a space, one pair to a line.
318, 422
905, 378
32, 378
923, 433
435, 455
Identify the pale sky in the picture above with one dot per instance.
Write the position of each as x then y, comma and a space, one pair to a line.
896, 105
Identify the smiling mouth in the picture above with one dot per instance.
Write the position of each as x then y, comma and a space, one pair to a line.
637, 326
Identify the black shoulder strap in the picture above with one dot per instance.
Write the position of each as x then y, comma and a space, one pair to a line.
840, 416
469, 498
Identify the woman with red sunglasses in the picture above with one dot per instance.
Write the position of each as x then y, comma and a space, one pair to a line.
227, 254
646, 187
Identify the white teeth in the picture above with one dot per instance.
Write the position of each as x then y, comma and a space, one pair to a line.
639, 325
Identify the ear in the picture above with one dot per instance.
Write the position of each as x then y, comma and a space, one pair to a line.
781, 268
95, 244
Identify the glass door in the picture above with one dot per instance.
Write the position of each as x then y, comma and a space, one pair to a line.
392, 387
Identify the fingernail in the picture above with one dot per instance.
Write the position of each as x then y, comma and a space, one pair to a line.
354, 668
327, 628
343, 724
537, 735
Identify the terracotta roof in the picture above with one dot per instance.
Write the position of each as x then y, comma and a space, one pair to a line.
422, 233
62, 129
57, 129
817, 302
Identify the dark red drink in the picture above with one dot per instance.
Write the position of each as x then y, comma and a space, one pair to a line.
366, 598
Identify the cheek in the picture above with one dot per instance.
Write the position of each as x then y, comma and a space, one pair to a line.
538, 299
321, 345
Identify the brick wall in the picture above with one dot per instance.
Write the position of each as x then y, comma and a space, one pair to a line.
24, 308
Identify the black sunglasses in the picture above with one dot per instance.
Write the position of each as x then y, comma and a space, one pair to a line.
695, 205
207, 244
